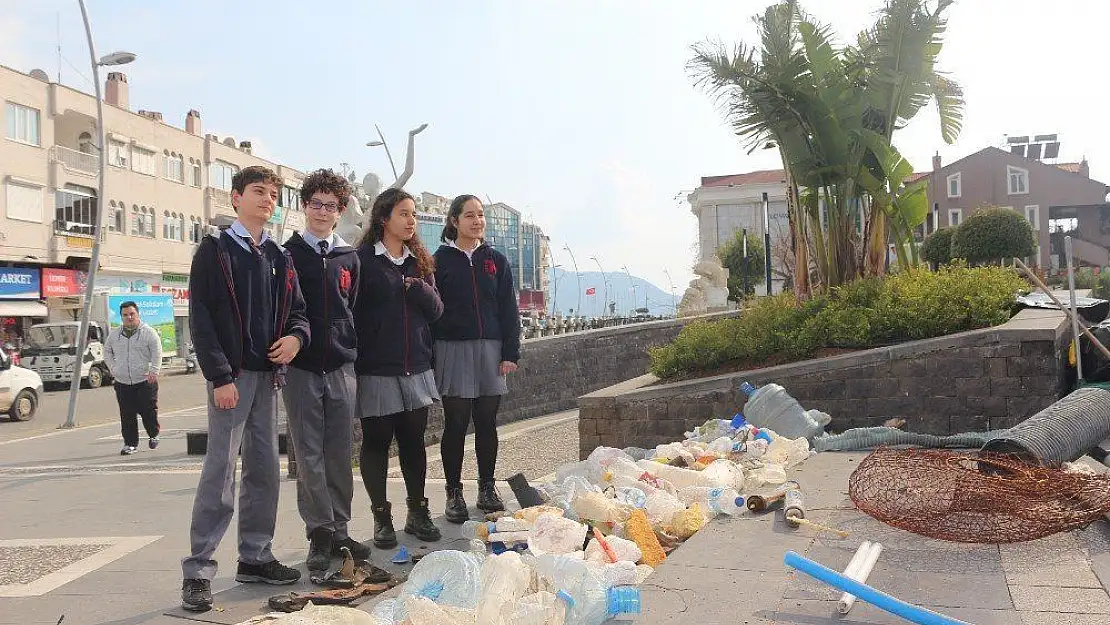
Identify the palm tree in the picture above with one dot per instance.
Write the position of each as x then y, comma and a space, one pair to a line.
832, 114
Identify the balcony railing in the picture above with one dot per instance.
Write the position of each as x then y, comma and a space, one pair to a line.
73, 228
73, 159
218, 195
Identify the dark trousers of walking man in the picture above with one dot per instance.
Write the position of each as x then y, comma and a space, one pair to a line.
138, 400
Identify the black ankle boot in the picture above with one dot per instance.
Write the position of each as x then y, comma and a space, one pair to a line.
384, 535
319, 550
456, 511
488, 499
419, 523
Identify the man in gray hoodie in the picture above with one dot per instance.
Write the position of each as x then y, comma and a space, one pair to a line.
133, 353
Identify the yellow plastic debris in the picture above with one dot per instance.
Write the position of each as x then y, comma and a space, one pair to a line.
639, 531
687, 523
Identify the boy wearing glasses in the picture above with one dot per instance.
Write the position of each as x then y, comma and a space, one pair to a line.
319, 397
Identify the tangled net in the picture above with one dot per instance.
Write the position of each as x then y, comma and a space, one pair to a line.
975, 498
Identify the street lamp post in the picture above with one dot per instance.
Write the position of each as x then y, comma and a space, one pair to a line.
674, 301
115, 58
382, 143
629, 273
577, 275
605, 281
767, 240
555, 291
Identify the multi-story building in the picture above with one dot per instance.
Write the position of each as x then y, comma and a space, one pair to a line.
165, 186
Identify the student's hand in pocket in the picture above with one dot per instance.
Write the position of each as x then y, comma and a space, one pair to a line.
226, 397
284, 350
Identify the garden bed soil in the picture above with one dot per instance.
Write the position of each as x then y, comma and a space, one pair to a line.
738, 366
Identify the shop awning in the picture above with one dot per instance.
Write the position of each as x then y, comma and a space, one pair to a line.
31, 308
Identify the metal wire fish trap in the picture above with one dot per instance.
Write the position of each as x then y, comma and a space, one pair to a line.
975, 498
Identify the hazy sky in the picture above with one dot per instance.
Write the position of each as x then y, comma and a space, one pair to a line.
578, 113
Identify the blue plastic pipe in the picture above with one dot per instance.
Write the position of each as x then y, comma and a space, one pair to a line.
881, 600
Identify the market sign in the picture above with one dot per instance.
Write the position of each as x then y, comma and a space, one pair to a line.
19, 283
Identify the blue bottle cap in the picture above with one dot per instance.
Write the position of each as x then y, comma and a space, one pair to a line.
765, 436
739, 502
748, 389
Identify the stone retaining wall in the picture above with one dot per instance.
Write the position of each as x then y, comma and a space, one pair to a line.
972, 381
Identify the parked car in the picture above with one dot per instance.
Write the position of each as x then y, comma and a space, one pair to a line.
20, 389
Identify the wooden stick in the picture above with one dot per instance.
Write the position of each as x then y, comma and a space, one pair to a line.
1067, 309
817, 526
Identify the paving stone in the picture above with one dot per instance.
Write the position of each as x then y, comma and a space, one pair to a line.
1080, 600
1057, 560
940, 589
1057, 618
681, 594
821, 612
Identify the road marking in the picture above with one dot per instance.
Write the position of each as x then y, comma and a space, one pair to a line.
79, 428
118, 546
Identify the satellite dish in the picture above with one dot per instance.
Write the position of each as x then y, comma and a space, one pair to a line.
371, 185
38, 74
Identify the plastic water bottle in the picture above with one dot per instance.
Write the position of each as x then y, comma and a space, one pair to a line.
623, 600
772, 407
581, 587
478, 529
631, 495
715, 500
446, 577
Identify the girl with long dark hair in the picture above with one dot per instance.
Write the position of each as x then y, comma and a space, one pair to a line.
397, 302
477, 346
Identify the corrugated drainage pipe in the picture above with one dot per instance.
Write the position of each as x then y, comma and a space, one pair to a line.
1061, 433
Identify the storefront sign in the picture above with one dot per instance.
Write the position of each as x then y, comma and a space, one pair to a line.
81, 243
63, 282
19, 283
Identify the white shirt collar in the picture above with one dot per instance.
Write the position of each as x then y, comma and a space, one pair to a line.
313, 241
469, 253
380, 249
239, 233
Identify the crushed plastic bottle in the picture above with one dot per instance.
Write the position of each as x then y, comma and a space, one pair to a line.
770, 406
540, 608
552, 534
716, 500
504, 579
447, 577
720, 447
725, 474
631, 495
597, 507
585, 593
599, 460
661, 507
675, 475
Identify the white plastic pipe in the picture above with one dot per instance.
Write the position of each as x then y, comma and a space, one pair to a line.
1074, 311
857, 558
847, 600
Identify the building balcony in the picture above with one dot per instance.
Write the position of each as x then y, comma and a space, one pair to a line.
75, 160
218, 196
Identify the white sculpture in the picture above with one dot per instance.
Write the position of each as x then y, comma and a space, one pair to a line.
351, 223
708, 292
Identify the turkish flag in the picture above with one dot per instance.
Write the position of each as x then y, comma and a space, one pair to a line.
591, 291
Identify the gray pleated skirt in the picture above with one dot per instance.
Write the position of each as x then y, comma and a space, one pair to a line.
380, 395
469, 369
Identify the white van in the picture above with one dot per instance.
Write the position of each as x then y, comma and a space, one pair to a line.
20, 389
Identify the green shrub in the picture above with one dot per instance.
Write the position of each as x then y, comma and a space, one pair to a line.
905, 306
732, 258
937, 248
1085, 278
992, 234
1102, 289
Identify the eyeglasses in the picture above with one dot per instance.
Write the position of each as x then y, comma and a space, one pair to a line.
330, 207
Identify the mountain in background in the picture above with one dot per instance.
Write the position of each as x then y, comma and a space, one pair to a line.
564, 291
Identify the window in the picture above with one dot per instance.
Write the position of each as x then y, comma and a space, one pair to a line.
85, 143
173, 226
955, 188
955, 216
1033, 214
1019, 180
118, 153
75, 210
143, 161
24, 201
220, 174
194, 230
194, 173
173, 167
115, 216
21, 123
142, 221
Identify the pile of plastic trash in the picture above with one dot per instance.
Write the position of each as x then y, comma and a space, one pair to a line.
604, 523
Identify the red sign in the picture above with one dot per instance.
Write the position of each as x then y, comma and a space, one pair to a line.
63, 282
530, 300
591, 291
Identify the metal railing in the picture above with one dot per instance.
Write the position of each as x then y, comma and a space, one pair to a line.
74, 159
219, 195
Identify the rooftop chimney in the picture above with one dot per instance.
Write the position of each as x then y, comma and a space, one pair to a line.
1084, 168
936, 162
116, 91
192, 122
245, 146
155, 115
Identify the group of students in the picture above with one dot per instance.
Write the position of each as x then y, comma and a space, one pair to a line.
376, 331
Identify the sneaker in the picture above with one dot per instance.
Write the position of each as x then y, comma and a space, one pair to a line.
359, 551
456, 511
128, 450
196, 595
273, 572
154, 443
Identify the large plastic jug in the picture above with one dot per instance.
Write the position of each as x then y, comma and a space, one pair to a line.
771, 407
447, 577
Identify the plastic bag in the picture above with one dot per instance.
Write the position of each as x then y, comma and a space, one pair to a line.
552, 534
661, 507
725, 474
623, 548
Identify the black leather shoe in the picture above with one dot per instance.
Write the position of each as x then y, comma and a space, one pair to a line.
359, 551
419, 523
384, 534
488, 499
456, 511
319, 550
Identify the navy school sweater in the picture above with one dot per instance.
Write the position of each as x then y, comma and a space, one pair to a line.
239, 304
479, 298
330, 286
392, 322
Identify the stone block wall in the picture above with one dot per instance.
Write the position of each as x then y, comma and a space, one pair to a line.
984, 379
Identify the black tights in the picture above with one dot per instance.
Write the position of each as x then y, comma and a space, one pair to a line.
457, 413
377, 434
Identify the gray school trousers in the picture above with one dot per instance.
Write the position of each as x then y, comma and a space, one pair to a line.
320, 409
253, 423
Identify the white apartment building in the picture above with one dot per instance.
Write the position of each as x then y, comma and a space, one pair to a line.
165, 186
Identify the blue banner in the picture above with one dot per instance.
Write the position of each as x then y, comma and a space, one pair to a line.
19, 283
155, 310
